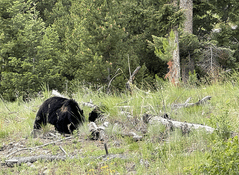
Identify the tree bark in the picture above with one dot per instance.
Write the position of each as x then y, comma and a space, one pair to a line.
175, 72
176, 60
177, 124
187, 5
188, 64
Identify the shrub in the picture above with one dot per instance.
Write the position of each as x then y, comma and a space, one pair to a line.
224, 158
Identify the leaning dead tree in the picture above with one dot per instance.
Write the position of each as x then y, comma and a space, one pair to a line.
129, 83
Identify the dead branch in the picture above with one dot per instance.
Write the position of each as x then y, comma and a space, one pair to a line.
204, 100
62, 149
20, 160
38, 146
186, 104
134, 73
177, 124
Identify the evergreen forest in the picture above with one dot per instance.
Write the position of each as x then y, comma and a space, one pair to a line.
60, 44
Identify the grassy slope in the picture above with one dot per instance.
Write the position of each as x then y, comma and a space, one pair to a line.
160, 152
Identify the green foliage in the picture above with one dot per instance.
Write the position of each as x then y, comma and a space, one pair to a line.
223, 159
225, 14
30, 56
203, 18
227, 45
3, 134
189, 45
192, 80
221, 123
91, 42
159, 82
134, 146
164, 47
62, 42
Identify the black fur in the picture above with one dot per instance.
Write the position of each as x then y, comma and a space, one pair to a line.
60, 112
93, 115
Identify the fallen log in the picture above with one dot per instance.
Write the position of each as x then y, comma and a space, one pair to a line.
178, 124
31, 159
20, 160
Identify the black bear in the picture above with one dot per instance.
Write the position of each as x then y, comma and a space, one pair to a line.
65, 114
97, 113
93, 115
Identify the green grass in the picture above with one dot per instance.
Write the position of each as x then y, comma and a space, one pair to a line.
160, 152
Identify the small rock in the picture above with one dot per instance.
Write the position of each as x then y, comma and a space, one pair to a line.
45, 172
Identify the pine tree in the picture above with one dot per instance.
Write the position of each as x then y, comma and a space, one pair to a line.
92, 45
25, 53
169, 48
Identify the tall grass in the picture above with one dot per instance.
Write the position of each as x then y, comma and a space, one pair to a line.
160, 152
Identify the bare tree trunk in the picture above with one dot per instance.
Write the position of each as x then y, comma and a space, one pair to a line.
175, 72
176, 60
188, 64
